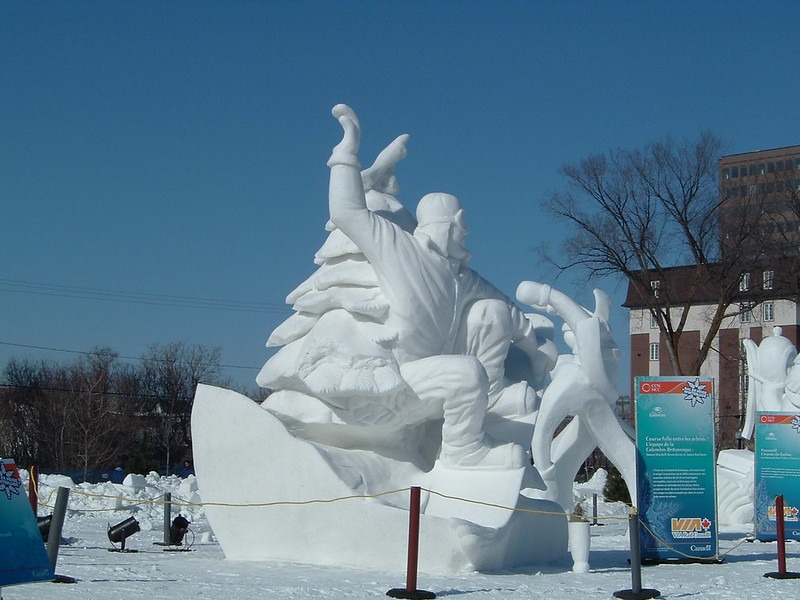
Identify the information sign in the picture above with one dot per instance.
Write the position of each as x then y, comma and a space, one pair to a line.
24, 558
676, 468
777, 472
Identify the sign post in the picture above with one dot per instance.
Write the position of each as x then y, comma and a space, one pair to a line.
676, 468
777, 472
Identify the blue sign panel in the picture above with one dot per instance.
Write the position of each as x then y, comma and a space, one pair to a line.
676, 468
21, 546
777, 472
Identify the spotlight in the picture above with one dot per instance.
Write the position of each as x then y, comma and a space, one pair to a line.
179, 527
44, 526
122, 531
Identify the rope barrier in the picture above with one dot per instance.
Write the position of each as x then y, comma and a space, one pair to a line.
132, 502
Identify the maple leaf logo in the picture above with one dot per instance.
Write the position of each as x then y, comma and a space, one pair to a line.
705, 523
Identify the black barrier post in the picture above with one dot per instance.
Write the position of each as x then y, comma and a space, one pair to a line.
780, 525
636, 592
411, 591
167, 516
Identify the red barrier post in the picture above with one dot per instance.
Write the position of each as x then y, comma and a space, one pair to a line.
780, 525
411, 590
33, 489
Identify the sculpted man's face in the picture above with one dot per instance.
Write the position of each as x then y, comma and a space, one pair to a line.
441, 217
456, 247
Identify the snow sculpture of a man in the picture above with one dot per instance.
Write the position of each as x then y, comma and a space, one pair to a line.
446, 333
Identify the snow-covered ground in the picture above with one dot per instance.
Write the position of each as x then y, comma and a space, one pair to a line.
153, 574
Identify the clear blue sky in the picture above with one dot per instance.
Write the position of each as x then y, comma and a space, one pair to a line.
174, 150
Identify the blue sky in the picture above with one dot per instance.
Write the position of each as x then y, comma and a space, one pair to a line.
174, 150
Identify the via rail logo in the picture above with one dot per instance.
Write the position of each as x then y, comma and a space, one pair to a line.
690, 528
790, 513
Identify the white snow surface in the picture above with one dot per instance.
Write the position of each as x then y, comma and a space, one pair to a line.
153, 574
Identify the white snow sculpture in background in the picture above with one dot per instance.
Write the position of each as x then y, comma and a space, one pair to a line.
773, 377
583, 387
401, 366
773, 384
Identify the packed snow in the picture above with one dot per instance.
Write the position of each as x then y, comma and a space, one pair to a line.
203, 572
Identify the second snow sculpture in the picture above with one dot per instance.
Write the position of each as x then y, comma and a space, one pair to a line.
394, 371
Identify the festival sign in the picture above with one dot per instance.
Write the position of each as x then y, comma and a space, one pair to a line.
777, 472
676, 468
24, 558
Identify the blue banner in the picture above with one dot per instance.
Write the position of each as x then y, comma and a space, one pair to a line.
777, 472
676, 470
21, 546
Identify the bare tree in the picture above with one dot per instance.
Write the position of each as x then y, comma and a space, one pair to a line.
638, 214
170, 374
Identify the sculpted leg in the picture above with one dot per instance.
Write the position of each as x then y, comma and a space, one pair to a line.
458, 384
488, 333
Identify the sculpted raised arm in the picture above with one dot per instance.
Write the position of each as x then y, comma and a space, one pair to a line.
346, 200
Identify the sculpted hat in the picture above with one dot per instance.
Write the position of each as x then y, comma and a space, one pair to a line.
439, 208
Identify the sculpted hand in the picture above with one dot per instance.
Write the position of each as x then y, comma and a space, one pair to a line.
346, 151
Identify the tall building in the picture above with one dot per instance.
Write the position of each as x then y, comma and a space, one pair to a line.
763, 189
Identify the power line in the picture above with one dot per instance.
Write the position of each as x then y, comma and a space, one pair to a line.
67, 291
48, 348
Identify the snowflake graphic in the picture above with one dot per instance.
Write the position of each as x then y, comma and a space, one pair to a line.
796, 423
695, 393
9, 485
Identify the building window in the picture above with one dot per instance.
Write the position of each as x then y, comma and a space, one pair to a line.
769, 279
653, 321
751, 170
769, 311
746, 313
726, 174
744, 282
770, 167
654, 351
761, 169
780, 165
734, 171
655, 286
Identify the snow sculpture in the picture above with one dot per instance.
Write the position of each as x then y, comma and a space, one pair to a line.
401, 366
583, 386
773, 377
773, 384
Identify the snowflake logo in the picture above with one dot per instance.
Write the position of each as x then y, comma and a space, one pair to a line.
695, 392
9, 485
796, 423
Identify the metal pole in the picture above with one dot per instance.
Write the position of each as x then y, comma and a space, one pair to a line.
636, 554
167, 516
54, 537
594, 509
636, 592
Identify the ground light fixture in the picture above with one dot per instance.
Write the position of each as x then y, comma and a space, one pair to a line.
118, 533
178, 529
44, 526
